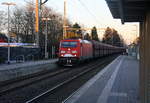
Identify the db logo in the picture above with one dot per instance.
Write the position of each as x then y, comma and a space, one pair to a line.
68, 52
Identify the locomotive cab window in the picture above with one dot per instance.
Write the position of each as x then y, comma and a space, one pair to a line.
67, 44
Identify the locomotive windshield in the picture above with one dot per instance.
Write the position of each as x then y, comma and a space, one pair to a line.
69, 44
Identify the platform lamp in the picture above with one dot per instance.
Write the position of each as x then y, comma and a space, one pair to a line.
8, 4
46, 19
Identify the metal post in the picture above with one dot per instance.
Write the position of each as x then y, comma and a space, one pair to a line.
8, 56
46, 56
53, 48
112, 42
46, 35
54, 51
8, 39
37, 38
37, 22
64, 24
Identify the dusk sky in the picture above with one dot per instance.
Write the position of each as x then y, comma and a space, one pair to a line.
88, 13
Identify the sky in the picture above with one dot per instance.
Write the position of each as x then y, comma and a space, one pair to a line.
88, 13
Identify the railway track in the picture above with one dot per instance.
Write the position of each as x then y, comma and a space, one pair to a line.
39, 98
31, 89
23, 81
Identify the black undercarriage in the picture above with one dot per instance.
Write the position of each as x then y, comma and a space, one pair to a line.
68, 61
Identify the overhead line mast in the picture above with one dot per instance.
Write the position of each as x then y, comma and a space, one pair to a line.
65, 27
37, 9
65, 21
37, 22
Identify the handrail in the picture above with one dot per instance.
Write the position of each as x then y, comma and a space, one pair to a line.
18, 58
30, 55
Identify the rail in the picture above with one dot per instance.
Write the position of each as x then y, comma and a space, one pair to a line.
90, 68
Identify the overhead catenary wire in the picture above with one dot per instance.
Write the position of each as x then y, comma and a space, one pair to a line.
29, 2
95, 18
83, 5
73, 5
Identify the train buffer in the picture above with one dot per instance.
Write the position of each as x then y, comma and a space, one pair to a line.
116, 83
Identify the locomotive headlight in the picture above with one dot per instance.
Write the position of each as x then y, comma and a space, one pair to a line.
62, 52
74, 51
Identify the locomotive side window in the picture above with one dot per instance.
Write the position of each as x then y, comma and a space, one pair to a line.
67, 44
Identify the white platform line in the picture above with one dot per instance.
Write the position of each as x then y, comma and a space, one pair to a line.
118, 94
77, 94
107, 90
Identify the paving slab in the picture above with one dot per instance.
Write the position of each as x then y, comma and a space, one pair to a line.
116, 83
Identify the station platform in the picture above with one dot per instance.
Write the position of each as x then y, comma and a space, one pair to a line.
26, 64
116, 83
10, 71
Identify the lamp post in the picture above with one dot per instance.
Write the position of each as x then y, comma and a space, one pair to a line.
8, 4
46, 19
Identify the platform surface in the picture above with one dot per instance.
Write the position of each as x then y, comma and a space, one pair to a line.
116, 83
16, 70
26, 64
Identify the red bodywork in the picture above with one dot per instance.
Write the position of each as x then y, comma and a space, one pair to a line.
77, 53
2, 41
68, 50
84, 50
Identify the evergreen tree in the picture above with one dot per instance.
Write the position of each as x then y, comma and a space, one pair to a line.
112, 37
78, 32
94, 34
87, 36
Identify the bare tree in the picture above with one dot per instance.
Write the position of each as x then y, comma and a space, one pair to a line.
23, 25
3, 20
18, 23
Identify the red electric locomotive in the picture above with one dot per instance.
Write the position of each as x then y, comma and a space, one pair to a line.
73, 51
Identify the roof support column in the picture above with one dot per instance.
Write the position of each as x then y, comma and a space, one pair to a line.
145, 60
121, 10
